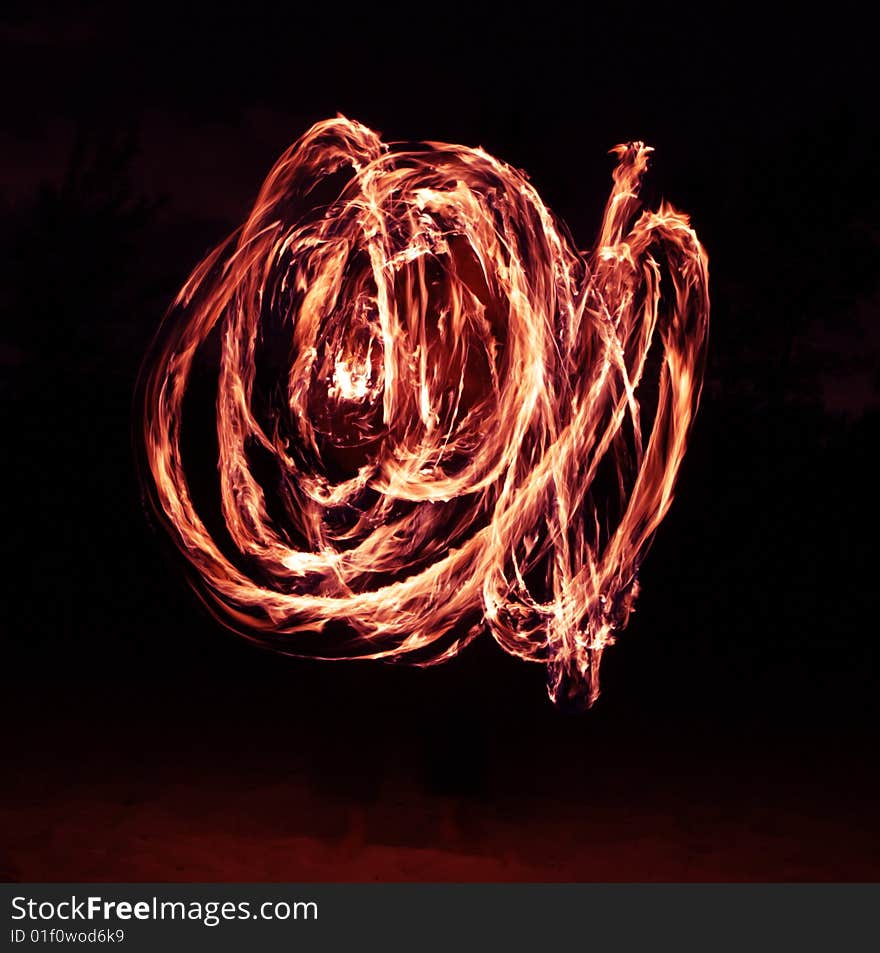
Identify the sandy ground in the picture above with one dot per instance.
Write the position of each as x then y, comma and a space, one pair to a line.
114, 818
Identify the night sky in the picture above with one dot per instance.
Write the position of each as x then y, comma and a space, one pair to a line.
134, 141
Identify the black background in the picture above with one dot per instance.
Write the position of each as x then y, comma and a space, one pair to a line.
134, 140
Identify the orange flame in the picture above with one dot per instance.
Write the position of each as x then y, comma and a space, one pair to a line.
428, 411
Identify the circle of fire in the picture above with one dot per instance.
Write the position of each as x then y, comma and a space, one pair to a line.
427, 407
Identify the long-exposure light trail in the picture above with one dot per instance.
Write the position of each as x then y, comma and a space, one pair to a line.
429, 407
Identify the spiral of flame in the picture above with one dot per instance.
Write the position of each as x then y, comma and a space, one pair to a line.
427, 407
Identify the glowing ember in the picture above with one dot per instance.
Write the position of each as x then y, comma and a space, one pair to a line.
428, 410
